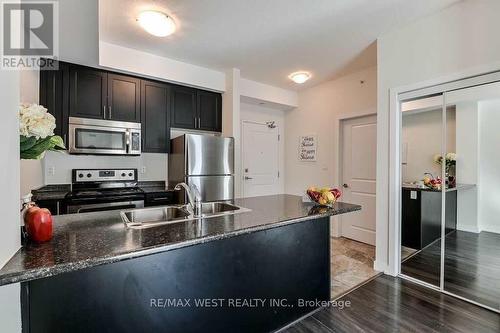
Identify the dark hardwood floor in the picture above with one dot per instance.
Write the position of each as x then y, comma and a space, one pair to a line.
425, 265
388, 304
471, 266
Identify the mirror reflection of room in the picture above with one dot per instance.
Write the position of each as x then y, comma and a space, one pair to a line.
472, 252
467, 172
422, 183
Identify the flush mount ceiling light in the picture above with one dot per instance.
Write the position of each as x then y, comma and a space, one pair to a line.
156, 23
299, 77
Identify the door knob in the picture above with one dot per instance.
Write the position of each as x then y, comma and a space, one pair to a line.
248, 178
345, 186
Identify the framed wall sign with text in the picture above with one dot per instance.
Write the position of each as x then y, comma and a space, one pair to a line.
308, 148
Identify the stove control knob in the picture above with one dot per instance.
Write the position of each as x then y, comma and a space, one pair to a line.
130, 174
80, 175
123, 174
89, 175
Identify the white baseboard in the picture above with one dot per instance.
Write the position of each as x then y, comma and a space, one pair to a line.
475, 230
380, 267
491, 228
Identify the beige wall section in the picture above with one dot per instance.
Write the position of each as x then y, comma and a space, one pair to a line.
462, 38
318, 113
260, 113
422, 135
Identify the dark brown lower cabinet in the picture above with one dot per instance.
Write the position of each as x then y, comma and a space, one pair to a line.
208, 287
421, 216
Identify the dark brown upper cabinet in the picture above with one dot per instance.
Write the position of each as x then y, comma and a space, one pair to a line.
87, 92
196, 109
100, 95
54, 96
124, 98
209, 105
155, 117
183, 112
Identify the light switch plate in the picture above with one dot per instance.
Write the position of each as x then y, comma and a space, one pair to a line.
413, 195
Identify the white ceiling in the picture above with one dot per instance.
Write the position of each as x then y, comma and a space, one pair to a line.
266, 39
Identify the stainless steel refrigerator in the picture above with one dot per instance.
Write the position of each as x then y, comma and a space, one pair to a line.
205, 161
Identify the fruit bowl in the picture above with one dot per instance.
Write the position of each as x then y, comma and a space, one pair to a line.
323, 196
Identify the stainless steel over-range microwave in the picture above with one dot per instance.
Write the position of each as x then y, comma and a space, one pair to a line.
104, 137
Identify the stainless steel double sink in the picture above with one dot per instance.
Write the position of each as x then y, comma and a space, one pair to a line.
139, 218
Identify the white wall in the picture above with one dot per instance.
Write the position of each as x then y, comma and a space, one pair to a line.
261, 114
462, 38
319, 111
489, 157
10, 317
155, 165
422, 136
467, 167
142, 63
31, 170
79, 31
259, 91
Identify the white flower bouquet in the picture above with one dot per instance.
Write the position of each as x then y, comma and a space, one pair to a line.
36, 129
450, 160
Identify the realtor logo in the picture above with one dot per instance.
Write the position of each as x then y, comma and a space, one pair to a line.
29, 34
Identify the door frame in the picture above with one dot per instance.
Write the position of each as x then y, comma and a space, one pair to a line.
242, 150
339, 156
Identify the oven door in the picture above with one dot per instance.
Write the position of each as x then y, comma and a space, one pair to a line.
98, 207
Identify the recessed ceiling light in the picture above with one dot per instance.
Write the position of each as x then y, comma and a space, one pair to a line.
299, 77
156, 23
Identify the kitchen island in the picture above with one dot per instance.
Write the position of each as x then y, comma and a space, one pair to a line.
253, 271
421, 214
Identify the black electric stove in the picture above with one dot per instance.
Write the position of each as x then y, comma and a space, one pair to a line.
104, 189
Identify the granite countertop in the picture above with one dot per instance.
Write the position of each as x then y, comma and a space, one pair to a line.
91, 239
458, 187
51, 192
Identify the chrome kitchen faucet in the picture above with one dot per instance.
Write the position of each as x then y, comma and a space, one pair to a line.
192, 191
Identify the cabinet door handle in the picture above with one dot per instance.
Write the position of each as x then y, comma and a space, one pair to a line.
248, 178
104, 110
110, 117
199, 122
195, 122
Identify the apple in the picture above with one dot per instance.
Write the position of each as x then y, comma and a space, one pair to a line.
336, 192
38, 222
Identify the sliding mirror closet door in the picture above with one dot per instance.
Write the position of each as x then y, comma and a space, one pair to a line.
472, 248
422, 187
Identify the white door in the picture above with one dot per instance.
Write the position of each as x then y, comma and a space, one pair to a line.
359, 157
260, 156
